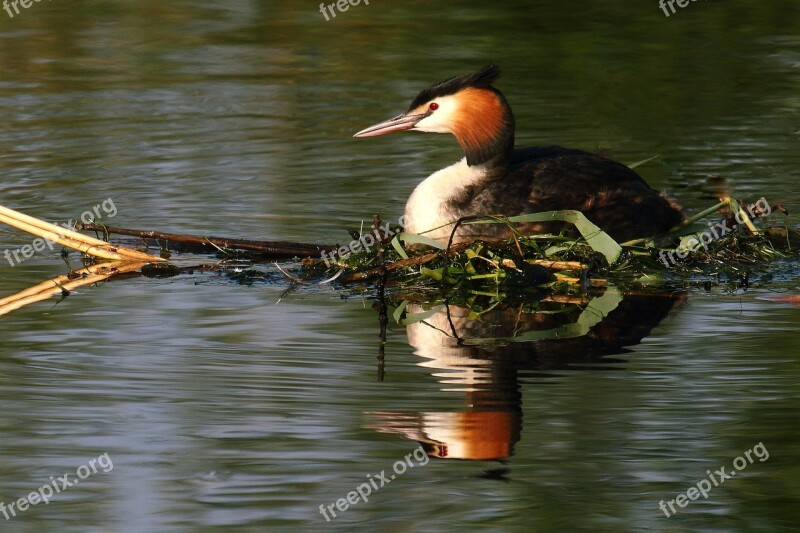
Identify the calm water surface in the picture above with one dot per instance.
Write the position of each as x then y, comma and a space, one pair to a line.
224, 410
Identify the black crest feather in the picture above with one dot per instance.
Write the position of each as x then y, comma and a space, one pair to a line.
484, 77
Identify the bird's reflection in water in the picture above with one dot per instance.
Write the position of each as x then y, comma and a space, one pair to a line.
482, 359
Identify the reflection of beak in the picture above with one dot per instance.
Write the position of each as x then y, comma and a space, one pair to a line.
400, 123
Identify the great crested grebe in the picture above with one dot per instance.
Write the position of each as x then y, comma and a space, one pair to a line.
495, 179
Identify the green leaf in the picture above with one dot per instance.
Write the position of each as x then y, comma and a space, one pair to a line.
413, 318
643, 162
399, 311
434, 274
399, 248
595, 237
413, 238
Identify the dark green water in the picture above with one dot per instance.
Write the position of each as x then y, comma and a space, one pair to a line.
223, 410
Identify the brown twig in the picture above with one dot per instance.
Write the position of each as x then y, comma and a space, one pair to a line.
199, 244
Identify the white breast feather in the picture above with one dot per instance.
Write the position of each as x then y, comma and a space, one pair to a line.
427, 206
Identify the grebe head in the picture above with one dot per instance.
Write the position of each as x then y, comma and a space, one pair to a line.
466, 106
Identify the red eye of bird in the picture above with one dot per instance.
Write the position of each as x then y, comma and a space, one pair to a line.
434, 106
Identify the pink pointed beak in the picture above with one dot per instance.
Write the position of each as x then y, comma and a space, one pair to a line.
399, 123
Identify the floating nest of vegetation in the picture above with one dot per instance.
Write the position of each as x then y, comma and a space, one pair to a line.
581, 256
